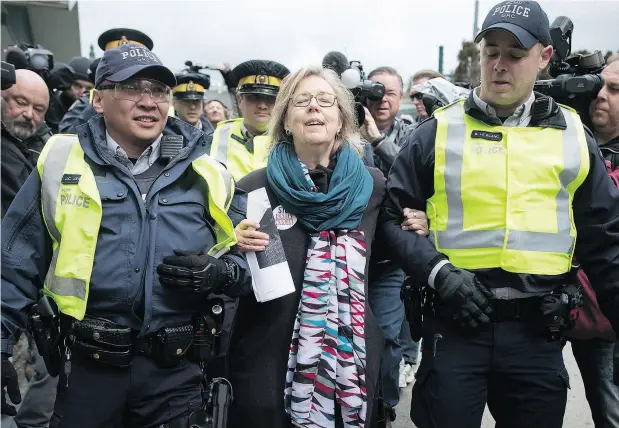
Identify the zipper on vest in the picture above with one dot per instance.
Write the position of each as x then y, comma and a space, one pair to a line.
22, 222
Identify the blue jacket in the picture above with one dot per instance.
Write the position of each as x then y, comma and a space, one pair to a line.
134, 237
79, 113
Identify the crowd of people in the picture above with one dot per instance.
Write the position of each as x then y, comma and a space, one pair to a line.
126, 214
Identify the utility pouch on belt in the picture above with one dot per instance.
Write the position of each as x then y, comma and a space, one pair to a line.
103, 341
171, 344
412, 296
43, 324
556, 308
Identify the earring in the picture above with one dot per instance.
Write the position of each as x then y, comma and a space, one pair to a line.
288, 133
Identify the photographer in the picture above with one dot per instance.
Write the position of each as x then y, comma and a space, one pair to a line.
381, 128
24, 132
386, 133
594, 343
420, 77
66, 85
604, 111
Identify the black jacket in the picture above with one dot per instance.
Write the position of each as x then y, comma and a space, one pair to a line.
262, 332
386, 151
610, 151
595, 210
19, 158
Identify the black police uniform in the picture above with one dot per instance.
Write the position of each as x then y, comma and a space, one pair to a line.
192, 86
510, 363
81, 111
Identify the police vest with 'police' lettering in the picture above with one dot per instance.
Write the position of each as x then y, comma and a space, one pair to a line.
503, 195
72, 212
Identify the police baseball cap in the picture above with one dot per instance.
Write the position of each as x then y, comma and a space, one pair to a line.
127, 60
525, 20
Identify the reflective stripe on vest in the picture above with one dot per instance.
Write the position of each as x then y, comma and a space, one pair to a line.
234, 154
70, 197
507, 203
72, 212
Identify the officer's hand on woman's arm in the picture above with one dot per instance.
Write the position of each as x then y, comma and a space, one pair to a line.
416, 221
248, 238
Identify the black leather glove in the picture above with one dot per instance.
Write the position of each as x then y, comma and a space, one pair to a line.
465, 295
10, 382
197, 271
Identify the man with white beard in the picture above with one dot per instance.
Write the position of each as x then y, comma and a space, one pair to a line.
23, 131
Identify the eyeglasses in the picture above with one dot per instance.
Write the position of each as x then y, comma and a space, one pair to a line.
324, 99
134, 90
417, 96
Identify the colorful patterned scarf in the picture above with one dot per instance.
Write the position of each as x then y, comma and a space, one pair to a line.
327, 358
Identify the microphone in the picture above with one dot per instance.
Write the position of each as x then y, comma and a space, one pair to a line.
335, 61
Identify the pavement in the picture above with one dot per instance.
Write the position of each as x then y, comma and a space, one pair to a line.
577, 413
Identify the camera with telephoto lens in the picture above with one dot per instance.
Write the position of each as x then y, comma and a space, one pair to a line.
31, 57
576, 79
364, 90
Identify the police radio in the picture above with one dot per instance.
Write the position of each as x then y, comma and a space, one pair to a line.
171, 145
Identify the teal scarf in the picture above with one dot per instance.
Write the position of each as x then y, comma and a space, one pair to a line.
341, 207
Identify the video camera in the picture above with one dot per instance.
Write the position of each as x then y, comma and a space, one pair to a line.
364, 90
190, 67
31, 57
8, 75
576, 79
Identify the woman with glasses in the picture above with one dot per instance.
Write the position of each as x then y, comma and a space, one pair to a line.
311, 358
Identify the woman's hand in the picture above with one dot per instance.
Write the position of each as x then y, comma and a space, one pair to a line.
415, 220
249, 239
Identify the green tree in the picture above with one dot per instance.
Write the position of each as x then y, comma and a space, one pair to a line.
91, 55
468, 69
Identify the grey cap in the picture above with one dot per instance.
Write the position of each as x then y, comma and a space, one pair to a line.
127, 60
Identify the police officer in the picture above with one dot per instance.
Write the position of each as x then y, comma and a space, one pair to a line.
81, 111
120, 226
188, 100
234, 141
508, 179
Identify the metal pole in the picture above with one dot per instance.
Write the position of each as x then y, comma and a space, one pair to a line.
440, 59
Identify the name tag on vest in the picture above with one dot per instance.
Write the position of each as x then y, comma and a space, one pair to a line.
490, 136
70, 179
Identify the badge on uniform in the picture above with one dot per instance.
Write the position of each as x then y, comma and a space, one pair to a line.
70, 179
485, 135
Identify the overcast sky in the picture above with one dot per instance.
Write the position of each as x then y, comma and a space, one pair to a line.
404, 34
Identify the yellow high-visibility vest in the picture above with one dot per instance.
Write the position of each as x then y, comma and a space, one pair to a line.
66, 176
503, 195
227, 149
